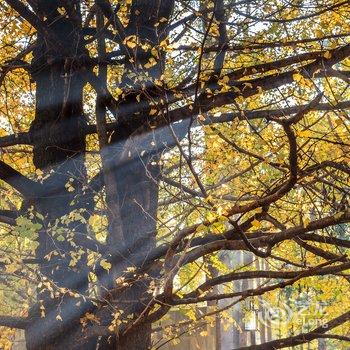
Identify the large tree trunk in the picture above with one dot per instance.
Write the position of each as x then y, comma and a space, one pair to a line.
59, 146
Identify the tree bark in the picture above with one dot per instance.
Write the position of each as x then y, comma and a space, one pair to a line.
59, 146
137, 171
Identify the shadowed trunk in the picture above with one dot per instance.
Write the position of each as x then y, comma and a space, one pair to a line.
59, 146
137, 170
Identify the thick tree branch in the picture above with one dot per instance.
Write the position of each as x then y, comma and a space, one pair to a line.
18, 181
14, 322
25, 13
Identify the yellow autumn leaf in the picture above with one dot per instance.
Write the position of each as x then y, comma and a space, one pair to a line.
151, 62
105, 264
304, 133
327, 55
130, 41
319, 33
118, 91
256, 224
297, 77
131, 44
94, 220
11, 268
339, 122
90, 259
239, 99
306, 222
201, 228
338, 215
61, 11
92, 277
225, 79
154, 52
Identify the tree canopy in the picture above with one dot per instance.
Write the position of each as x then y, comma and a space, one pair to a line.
142, 139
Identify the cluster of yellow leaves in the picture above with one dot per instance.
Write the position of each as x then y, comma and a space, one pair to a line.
89, 318
302, 81
6, 338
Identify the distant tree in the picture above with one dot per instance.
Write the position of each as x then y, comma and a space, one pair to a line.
142, 137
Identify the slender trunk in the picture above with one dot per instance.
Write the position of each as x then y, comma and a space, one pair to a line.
137, 170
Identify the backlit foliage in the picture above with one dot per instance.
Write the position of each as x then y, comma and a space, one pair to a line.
244, 106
